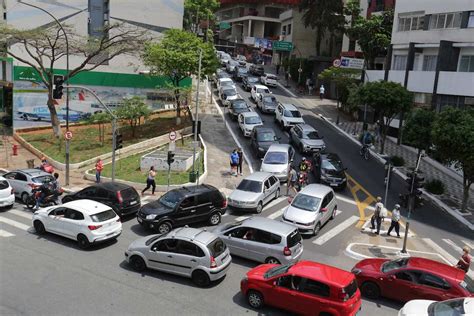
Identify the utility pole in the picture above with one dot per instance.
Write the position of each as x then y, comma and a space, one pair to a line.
196, 121
388, 166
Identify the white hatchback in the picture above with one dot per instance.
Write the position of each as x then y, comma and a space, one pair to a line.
7, 195
86, 221
257, 91
247, 122
269, 80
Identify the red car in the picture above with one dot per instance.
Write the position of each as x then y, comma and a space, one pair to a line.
411, 279
306, 288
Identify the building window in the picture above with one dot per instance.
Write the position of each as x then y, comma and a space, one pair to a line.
283, 30
429, 62
470, 22
399, 62
410, 23
466, 63
446, 20
289, 29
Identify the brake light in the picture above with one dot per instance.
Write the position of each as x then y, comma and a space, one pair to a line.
287, 251
213, 263
94, 227
119, 197
343, 296
224, 203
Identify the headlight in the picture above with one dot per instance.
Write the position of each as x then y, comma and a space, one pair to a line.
151, 216
311, 223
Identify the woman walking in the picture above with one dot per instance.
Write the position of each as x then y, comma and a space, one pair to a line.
234, 161
150, 181
99, 166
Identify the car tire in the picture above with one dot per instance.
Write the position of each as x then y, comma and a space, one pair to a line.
334, 211
66, 199
137, 263
255, 299
83, 242
316, 229
277, 193
370, 290
39, 227
164, 228
24, 197
215, 218
259, 208
272, 260
200, 278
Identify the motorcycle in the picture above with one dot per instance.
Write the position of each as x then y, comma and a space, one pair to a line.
49, 200
302, 181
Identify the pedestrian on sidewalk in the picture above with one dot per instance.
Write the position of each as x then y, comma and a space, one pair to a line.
377, 218
234, 161
99, 166
311, 87
308, 83
395, 221
241, 160
287, 78
465, 260
322, 90
150, 181
292, 178
277, 69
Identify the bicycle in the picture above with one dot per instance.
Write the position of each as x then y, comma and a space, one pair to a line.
365, 152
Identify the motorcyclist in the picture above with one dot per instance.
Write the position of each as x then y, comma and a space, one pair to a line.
304, 165
45, 190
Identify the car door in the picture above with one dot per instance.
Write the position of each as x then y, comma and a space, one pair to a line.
54, 220
313, 296
187, 257
267, 191
298, 133
87, 193
399, 285
204, 206
433, 287
253, 139
331, 204
285, 293
323, 215
274, 185
234, 239
186, 211
71, 223
259, 245
13, 183
161, 255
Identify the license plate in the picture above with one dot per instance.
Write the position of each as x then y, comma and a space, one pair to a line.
133, 202
333, 184
139, 219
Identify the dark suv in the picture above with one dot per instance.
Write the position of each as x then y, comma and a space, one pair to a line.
183, 206
257, 70
122, 198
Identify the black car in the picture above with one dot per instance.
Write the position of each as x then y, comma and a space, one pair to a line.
248, 82
186, 205
262, 138
257, 70
328, 169
122, 198
219, 75
236, 107
240, 73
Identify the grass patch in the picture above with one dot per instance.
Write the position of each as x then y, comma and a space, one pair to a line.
86, 143
129, 169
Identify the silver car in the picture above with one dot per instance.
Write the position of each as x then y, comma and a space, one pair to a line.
306, 138
311, 208
189, 252
262, 239
254, 191
277, 160
267, 103
24, 180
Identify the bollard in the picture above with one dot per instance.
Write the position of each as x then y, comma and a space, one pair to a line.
15, 149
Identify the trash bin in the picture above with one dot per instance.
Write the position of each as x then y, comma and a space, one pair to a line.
193, 176
30, 163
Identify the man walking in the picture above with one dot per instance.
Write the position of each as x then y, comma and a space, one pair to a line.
292, 178
377, 218
395, 221
99, 166
234, 161
322, 90
241, 160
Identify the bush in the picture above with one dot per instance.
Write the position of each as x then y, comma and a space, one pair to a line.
435, 186
397, 161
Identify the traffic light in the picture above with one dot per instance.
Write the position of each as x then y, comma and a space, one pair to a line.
118, 141
58, 81
416, 180
170, 157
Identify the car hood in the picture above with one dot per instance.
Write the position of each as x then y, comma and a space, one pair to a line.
373, 264
155, 208
313, 142
139, 243
416, 308
294, 120
298, 215
245, 196
274, 168
259, 271
335, 173
250, 126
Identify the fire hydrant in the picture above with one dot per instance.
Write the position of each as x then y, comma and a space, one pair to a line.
15, 149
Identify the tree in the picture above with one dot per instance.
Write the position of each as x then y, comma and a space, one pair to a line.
196, 11
418, 128
373, 35
342, 78
44, 47
324, 16
101, 118
352, 9
133, 110
388, 99
176, 56
453, 137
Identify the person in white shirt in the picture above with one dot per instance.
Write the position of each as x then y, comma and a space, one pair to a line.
321, 92
377, 217
395, 221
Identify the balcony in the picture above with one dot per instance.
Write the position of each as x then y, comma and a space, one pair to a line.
374, 75
456, 83
421, 81
397, 76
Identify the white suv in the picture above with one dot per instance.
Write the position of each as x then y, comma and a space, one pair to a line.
190, 252
257, 91
7, 197
269, 80
287, 115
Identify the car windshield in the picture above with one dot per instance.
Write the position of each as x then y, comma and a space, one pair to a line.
276, 271
263, 90
252, 79
230, 92
250, 186
276, 158
226, 83
152, 239
311, 135
239, 105
394, 264
253, 120
103, 216
266, 137
306, 202
331, 164
468, 284
292, 113
243, 70
269, 100
454, 307
170, 199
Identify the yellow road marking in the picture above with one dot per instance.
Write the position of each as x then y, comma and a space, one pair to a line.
354, 187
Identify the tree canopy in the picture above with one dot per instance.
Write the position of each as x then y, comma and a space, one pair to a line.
343, 78
198, 10
133, 110
417, 129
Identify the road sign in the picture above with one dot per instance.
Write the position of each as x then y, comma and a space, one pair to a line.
68, 135
172, 135
224, 25
300, 70
354, 63
283, 46
336, 63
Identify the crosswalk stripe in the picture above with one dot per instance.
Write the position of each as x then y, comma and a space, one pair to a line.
14, 223
351, 201
241, 218
276, 214
274, 202
453, 245
4, 233
336, 230
27, 215
468, 243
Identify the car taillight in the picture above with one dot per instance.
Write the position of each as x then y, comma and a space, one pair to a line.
119, 197
287, 251
343, 296
224, 203
94, 227
213, 263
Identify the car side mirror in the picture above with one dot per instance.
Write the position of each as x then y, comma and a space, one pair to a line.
263, 121
323, 210
291, 160
261, 159
278, 138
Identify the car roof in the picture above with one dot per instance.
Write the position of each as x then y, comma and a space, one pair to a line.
32, 172
322, 272
437, 267
260, 86
193, 189
279, 147
316, 189
306, 127
251, 113
87, 207
112, 186
225, 79
258, 176
193, 234
289, 106
269, 225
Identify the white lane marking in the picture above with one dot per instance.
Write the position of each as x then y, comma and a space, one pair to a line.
276, 214
350, 201
27, 215
4, 233
241, 218
274, 202
336, 230
286, 90
468, 243
367, 229
446, 255
453, 245
14, 223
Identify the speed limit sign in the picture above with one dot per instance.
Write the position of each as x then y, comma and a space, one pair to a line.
172, 135
336, 63
68, 135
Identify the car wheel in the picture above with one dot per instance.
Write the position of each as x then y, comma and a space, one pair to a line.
277, 193
255, 299
317, 228
272, 260
164, 228
83, 242
259, 208
39, 227
200, 278
370, 290
137, 263
24, 197
215, 218
66, 199
333, 215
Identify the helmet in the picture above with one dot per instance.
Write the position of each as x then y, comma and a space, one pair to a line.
304, 158
397, 206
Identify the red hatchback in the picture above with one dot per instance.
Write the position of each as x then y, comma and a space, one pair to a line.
411, 279
306, 288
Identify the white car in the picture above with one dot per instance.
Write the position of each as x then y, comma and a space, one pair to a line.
228, 95
287, 115
247, 121
277, 160
224, 58
269, 80
7, 195
86, 221
456, 306
225, 83
257, 91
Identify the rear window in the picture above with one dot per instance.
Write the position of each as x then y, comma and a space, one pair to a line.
293, 238
103, 216
351, 289
216, 247
42, 179
4, 184
129, 194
